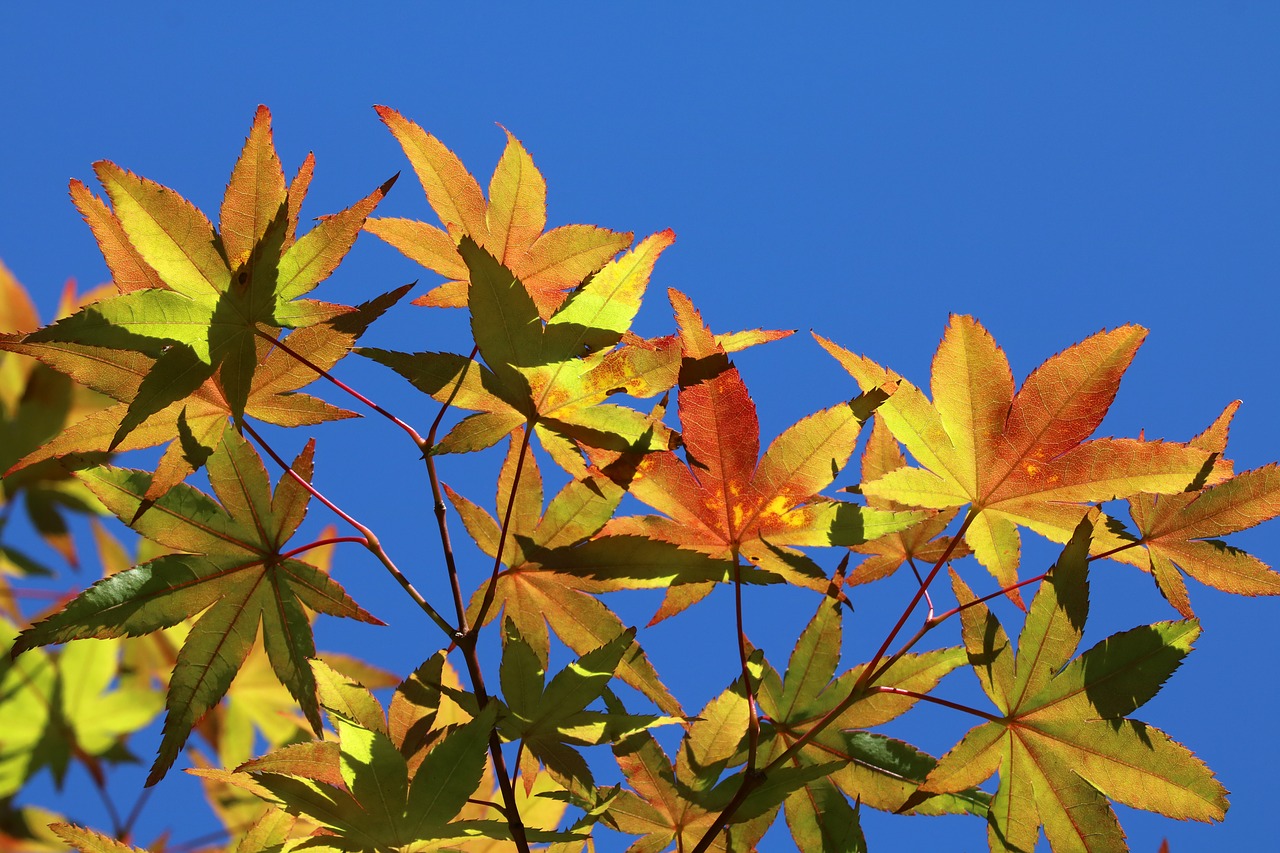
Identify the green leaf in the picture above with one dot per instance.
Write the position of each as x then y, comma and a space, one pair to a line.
522, 675
347, 699
54, 709
196, 301
376, 775
779, 784
233, 571
537, 589
363, 791
1064, 747
714, 739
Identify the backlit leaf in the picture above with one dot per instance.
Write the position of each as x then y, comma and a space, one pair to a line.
1017, 459
1063, 745
232, 569
195, 301
509, 225
728, 502
1184, 531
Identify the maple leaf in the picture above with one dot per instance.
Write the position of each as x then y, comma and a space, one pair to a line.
552, 376
872, 769
680, 802
421, 711
1017, 459
195, 300
257, 707
1063, 744
1183, 531
509, 225
548, 717
90, 841
230, 565
727, 501
922, 541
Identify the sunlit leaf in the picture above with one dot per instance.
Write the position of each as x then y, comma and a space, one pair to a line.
1063, 745
725, 500
196, 302
1017, 459
1185, 531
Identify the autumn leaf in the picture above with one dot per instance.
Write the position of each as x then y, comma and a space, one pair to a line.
1017, 459
1183, 531
1063, 744
258, 709
679, 802
198, 301
230, 565
550, 719
509, 225
56, 708
554, 376
90, 841
728, 502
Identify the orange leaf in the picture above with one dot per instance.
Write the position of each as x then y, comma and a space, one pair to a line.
1018, 459
509, 225
726, 501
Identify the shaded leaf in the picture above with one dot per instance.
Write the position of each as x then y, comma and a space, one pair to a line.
232, 569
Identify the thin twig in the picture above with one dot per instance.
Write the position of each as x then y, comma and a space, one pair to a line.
467, 644
1125, 547
489, 804
117, 827
925, 697
438, 504
208, 838
136, 812
997, 594
750, 776
320, 543
464, 637
753, 720
927, 599
870, 670
417, 439
491, 589
371, 541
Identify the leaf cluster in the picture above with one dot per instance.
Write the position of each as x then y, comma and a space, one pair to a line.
205, 347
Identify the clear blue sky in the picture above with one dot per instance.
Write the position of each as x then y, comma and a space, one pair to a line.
857, 171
